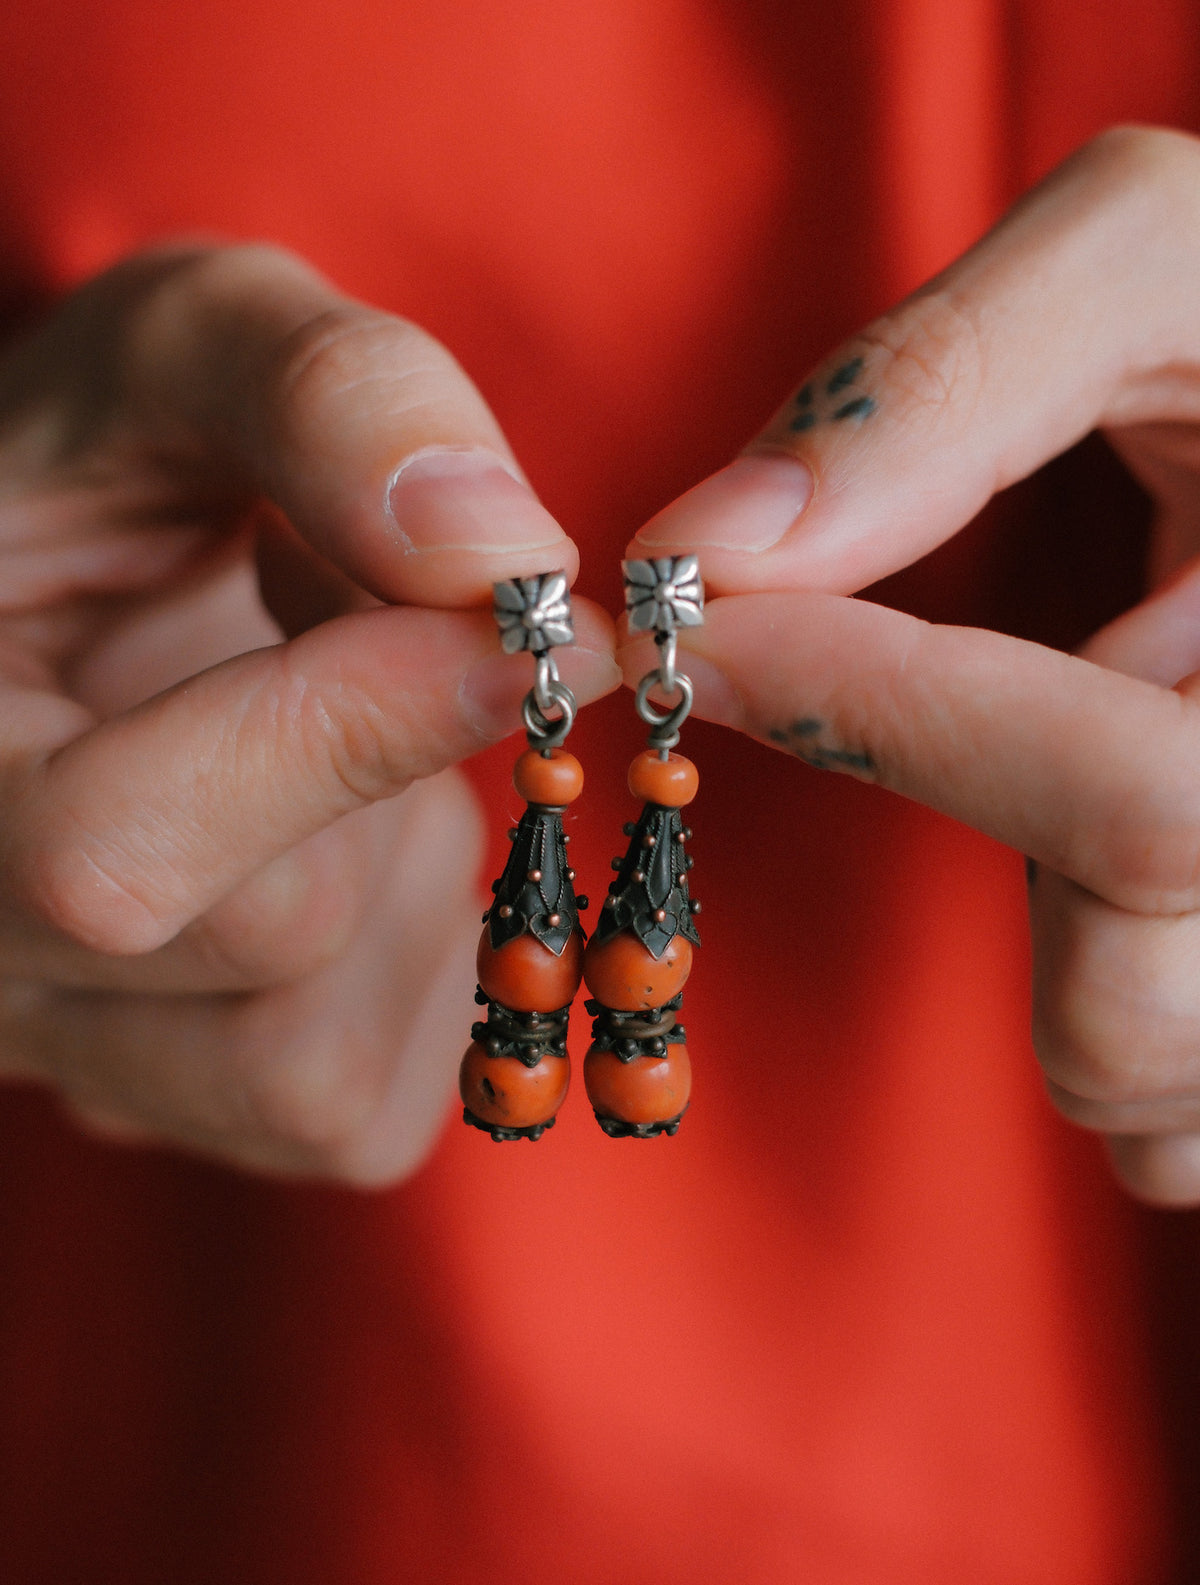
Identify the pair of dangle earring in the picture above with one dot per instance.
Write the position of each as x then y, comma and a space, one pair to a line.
531, 956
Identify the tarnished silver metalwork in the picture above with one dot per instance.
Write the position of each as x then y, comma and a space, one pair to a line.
664, 594
664, 724
534, 614
661, 596
543, 729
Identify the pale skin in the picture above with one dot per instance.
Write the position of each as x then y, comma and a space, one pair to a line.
1079, 311
231, 912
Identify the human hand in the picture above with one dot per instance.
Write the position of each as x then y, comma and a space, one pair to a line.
219, 924
1079, 310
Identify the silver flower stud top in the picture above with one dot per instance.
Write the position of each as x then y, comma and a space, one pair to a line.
533, 613
664, 594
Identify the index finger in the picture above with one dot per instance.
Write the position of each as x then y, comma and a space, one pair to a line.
1091, 772
1079, 309
120, 835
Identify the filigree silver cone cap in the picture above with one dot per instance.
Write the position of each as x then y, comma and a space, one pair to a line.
664, 594
533, 613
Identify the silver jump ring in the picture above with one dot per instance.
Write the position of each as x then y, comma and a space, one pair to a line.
543, 730
668, 645
544, 679
664, 724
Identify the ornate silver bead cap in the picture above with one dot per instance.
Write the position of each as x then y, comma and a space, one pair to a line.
533, 613
663, 595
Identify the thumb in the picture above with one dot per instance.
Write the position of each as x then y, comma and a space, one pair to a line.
1079, 309
243, 368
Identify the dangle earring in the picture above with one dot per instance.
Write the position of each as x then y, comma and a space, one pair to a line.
637, 1071
515, 1073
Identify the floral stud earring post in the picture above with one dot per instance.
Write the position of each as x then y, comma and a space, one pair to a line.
514, 1075
637, 1071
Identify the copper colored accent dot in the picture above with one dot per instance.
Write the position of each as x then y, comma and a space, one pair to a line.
570, 875
535, 875
504, 911
554, 920
649, 839
637, 876
660, 914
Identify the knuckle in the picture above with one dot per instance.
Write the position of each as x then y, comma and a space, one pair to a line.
1085, 1070
1112, 1049
1084, 1042
319, 1105
1150, 845
1078, 1109
930, 350
1142, 159
80, 898
257, 937
342, 349
1162, 1169
207, 278
1116, 1012
314, 1102
1153, 870
346, 738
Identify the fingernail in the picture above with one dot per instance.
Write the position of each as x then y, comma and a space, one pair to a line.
447, 499
493, 688
750, 505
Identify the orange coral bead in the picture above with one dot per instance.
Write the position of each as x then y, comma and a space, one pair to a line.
646, 1090
672, 782
555, 780
526, 976
621, 973
504, 1092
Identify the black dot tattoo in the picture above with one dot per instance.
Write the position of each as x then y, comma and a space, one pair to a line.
846, 375
860, 407
811, 406
802, 738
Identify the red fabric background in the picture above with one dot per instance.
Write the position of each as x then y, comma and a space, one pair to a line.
875, 1316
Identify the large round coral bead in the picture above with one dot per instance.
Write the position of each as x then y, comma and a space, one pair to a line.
554, 778
671, 782
504, 1092
644, 1090
525, 975
623, 974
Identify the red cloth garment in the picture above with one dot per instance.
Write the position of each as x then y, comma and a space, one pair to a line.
876, 1316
